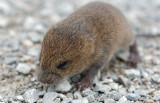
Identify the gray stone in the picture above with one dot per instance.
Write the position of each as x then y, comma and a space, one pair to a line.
5, 7
123, 99
27, 43
156, 78
12, 100
10, 60
31, 96
4, 21
57, 100
114, 95
34, 52
122, 91
156, 96
51, 89
35, 37
90, 98
102, 88
20, 97
109, 100
64, 98
101, 97
141, 92
23, 68
131, 89
82, 100
87, 92
29, 22
70, 95
114, 86
106, 81
132, 73
96, 101
133, 96
63, 86
50, 97
13, 44
77, 95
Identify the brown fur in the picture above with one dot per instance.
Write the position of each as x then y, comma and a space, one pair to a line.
90, 36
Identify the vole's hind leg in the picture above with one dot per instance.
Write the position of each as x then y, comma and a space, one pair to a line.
134, 57
87, 80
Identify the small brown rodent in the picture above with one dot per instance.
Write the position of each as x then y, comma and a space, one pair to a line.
87, 39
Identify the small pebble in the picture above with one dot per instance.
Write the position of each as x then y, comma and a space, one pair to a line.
132, 73
115, 95
23, 68
114, 86
31, 96
133, 96
102, 88
35, 37
109, 100
131, 89
87, 92
50, 97
156, 96
90, 98
77, 95
63, 86
70, 95
82, 100
141, 92
123, 99
156, 78
20, 97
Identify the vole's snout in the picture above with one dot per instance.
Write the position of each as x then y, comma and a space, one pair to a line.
47, 78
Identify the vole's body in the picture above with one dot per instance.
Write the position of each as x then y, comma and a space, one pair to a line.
86, 39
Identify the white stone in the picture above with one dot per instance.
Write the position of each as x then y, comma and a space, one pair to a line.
114, 86
23, 68
27, 43
123, 99
4, 21
109, 100
102, 88
31, 96
20, 97
156, 78
77, 95
82, 100
63, 86
50, 97
156, 96
132, 72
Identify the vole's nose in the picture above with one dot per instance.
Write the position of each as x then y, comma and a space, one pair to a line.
43, 78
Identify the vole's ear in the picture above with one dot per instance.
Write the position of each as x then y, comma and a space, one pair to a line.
88, 44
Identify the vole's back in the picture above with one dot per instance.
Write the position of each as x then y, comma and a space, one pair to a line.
105, 23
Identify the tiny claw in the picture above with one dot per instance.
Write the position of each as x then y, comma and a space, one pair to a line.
134, 57
133, 60
83, 84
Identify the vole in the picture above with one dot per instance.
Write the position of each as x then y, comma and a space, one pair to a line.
86, 39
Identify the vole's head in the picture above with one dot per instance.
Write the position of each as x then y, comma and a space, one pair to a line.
65, 52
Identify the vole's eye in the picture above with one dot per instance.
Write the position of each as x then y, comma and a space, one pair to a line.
62, 65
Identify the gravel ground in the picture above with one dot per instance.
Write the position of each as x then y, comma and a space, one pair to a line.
23, 24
